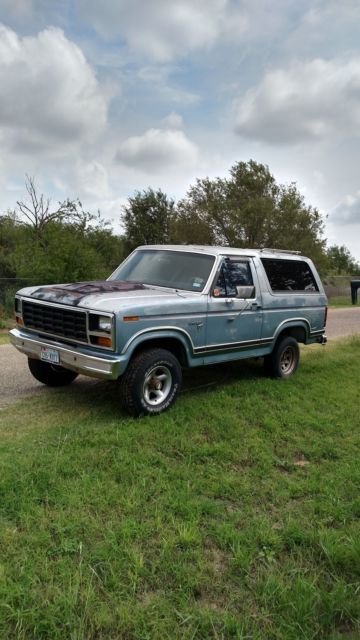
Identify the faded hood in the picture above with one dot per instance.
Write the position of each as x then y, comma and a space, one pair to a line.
74, 293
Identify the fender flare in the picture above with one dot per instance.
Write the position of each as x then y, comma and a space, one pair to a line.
157, 333
293, 323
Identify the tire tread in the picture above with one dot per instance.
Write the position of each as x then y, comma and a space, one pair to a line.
271, 362
128, 380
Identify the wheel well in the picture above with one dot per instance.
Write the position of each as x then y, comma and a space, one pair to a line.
298, 333
170, 344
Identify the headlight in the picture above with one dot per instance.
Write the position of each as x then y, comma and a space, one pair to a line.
105, 324
101, 330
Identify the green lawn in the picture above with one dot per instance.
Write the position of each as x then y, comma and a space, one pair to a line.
5, 325
234, 515
340, 301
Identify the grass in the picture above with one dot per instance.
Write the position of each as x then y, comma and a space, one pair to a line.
340, 301
5, 325
234, 515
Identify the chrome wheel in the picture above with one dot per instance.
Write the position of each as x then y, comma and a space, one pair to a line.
157, 385
288, 361
151, 382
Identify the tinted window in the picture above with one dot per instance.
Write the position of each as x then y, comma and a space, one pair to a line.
289, 275
233, 274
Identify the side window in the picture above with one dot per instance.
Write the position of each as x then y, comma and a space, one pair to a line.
289, 275
233, 274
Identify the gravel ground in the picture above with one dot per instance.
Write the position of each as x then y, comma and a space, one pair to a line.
16, 382
343, 322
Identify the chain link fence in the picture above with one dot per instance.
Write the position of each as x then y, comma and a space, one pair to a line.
338, 288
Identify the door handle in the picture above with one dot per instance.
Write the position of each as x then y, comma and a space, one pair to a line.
255, 306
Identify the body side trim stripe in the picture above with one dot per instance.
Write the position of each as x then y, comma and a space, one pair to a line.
246, 344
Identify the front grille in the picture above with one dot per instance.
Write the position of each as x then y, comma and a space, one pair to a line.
55, 320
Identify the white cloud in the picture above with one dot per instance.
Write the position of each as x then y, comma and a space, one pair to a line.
158, 149
308, 100
326, 25
112, 210
322, 13
347, 212
50, 97
164, 31
157, 28
173, 121
249, 21
92, 180
157, 78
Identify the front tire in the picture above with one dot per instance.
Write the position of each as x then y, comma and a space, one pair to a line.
151, 382
284, 359
51, 374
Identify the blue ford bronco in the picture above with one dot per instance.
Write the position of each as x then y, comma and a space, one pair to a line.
167, 307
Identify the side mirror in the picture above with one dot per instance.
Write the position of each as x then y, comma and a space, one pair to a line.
245, 292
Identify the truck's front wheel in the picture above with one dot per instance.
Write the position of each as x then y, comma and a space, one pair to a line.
51, 374
151, 382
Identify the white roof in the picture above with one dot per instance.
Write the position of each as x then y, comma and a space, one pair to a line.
216, 250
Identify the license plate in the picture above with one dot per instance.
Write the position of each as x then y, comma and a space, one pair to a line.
50, 355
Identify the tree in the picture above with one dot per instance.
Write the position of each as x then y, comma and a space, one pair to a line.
249, 209
8, 241
341, 262
56, 245
36, 213
67, 253
147, 218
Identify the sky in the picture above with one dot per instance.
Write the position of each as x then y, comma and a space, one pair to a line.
99, 99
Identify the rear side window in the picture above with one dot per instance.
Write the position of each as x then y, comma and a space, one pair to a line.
289, 275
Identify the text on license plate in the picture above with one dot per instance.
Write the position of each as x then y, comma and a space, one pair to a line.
50, 355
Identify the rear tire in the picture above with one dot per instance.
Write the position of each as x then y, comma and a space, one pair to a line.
150, 383
51, 374
284, 359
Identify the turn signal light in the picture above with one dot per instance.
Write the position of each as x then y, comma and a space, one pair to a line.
19, 320
103, 342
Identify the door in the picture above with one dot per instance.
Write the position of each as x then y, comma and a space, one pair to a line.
234, 308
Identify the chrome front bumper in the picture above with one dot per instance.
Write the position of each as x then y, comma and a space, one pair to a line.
107, 367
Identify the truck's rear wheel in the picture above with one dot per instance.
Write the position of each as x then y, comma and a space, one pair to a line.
151, 382
284, 360
51, 374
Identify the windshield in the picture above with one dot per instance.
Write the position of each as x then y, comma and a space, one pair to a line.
173, 269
